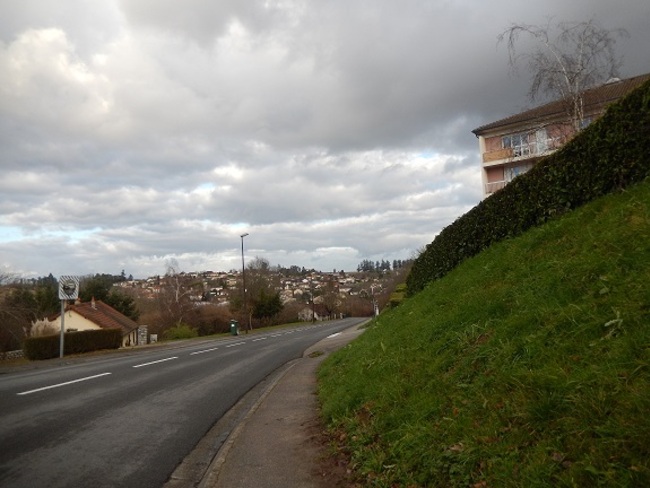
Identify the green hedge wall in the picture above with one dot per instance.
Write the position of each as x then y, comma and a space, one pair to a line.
48, 347
612, 153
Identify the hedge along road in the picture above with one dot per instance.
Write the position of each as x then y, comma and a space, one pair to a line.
129, 420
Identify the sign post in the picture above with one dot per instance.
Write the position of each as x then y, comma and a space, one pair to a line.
68, 290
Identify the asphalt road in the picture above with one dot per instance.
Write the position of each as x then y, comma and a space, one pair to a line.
127, 420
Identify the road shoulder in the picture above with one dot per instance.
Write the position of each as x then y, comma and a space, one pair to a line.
280, 442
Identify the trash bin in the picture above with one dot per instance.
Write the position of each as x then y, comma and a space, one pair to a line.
234, 327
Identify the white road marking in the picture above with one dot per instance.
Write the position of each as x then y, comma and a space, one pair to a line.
155, 362
333, 335
204, 350
236, 344
63, 384
260, 339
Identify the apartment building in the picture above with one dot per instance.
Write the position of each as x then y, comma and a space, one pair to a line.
511, 146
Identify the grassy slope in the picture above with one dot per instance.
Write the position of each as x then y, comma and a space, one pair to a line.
528, 365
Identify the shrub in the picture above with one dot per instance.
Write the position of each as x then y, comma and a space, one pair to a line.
47, 347
181, 331
397, 296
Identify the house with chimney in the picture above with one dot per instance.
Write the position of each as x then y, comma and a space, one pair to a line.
95, 315
511, 146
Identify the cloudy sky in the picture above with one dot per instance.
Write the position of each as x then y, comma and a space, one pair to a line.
135, 132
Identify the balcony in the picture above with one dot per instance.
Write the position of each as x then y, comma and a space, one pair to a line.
498, 155
540, 148
494, 186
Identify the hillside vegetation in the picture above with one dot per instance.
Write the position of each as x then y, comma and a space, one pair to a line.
527, 365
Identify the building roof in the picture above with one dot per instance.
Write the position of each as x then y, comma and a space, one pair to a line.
594, 100
103, 315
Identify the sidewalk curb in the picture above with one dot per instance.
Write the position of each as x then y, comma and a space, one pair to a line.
207, 463
213, 470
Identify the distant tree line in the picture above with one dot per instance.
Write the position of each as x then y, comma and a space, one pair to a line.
384, 265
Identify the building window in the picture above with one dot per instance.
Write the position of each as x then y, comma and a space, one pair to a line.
511, 172
584, 123
518, 143
542, 140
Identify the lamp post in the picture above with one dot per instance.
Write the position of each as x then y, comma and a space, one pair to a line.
375, 308
243, 279
313, 307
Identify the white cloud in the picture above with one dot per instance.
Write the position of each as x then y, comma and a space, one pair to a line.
138, 132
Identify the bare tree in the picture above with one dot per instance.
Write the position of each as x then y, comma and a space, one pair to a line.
261, 290
330, 297
174, 297
17, 308
570, 57
6, 278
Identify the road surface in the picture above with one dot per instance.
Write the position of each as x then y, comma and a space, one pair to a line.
128, 420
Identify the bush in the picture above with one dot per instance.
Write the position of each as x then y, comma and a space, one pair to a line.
611, 154
182, 331
47, 347
209, 319
397, 296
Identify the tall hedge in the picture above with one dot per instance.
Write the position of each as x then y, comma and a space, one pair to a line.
47, 347
612, 153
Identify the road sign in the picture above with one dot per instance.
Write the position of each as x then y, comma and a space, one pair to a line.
68, 287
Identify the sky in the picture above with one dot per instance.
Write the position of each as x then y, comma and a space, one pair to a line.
139, 134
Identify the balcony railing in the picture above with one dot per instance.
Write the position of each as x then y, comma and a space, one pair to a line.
524, 151
494, 186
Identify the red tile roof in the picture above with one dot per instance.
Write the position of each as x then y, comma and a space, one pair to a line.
595, 100
103, 315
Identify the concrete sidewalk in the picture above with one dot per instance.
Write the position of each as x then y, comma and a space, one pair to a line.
279, 442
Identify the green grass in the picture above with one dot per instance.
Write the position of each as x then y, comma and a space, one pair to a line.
528, 365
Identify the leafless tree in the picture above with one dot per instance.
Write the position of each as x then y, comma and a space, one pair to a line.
174, 297
569, 58
6, 278
262, 283
330, 297
15, 316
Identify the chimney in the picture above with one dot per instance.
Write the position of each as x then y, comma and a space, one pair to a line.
92, 304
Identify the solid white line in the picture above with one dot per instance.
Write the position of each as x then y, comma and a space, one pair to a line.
155, 362
204, 350
62, 384
236, 344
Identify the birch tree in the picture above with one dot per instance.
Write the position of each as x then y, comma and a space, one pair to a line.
569, 57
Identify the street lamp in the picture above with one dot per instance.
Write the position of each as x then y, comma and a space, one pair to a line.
243, 278
375, 308
311, 292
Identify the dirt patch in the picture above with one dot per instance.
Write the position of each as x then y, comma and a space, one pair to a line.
333, 466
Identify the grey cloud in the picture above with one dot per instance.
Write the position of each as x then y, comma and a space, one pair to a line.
134, 132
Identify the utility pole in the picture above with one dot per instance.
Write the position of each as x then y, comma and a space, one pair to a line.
311, 293
243, 279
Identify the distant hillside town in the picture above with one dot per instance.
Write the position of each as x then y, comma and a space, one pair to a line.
180, 304
293, 284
